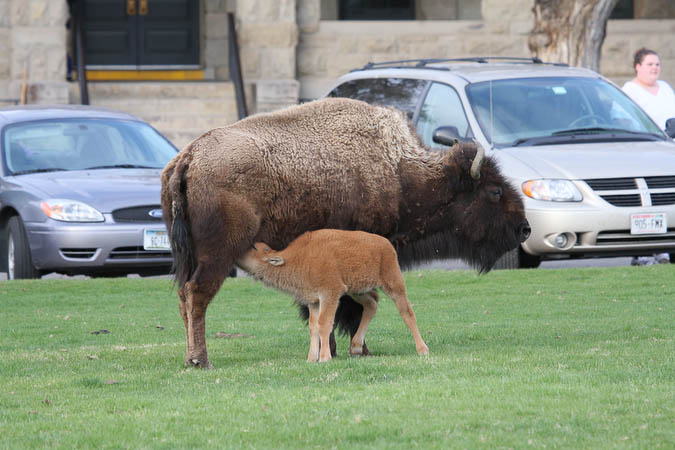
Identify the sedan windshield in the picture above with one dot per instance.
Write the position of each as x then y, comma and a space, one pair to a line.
536, 111
80, 144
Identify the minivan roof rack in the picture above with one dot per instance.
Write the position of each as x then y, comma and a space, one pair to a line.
423, 63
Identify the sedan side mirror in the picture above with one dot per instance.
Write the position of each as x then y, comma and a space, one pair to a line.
670, 127
446, 135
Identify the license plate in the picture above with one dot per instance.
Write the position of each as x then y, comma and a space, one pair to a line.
156, 240
644, 223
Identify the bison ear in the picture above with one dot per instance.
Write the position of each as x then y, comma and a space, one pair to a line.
275, 260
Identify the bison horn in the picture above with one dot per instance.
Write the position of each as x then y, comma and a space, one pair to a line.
477, 162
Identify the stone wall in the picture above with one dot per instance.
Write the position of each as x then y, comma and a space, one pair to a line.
33, 37
215, 38
268, 36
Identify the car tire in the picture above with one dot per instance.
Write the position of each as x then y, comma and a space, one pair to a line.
517, 259
18, 258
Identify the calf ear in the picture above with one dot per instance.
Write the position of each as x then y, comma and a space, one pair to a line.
275, 260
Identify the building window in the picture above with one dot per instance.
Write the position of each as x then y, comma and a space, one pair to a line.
377, 10
622, 10
401, 9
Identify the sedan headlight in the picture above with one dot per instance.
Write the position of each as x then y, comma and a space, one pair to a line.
552, 190
70, 211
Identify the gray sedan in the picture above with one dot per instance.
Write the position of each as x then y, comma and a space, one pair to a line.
80, 193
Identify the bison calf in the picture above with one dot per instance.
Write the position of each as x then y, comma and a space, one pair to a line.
320, 266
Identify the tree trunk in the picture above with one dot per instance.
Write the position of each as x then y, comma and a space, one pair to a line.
570, 31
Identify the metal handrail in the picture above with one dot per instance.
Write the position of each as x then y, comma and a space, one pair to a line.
79, 45
235, 68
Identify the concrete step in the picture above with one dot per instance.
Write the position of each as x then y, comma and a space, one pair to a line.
168, 106
145, 89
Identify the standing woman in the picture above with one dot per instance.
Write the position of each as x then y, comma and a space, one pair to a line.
655, 96
657, 99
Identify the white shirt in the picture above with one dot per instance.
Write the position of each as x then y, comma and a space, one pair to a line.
660, 107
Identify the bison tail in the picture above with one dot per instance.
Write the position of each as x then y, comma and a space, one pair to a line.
178, 223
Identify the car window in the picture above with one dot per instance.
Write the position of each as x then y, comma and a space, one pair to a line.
523, 108
401, 93
442, 107
76, 144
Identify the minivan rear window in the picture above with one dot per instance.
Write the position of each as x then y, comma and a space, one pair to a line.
401, 93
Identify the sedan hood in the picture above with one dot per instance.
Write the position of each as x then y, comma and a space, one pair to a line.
105, 189
587, 161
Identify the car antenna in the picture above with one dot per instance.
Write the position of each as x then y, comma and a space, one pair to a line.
492, 113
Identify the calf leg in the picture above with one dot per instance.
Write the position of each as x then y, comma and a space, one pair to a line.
395, 289
369, 303
327, 307
314, 340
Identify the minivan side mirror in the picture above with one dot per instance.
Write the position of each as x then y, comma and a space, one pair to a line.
446, 135
670, 127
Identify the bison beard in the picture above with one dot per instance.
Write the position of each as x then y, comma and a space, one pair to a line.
332, 163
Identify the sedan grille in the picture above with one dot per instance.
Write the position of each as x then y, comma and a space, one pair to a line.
631, 192
137, 253
148, 213
78, 253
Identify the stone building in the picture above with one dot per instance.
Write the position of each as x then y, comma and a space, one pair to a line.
168, 61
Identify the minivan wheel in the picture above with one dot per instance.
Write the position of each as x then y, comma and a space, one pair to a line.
19, 262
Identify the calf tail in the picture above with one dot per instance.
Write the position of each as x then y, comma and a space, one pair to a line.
174, 205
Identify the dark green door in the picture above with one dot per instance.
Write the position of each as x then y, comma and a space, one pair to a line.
141, 33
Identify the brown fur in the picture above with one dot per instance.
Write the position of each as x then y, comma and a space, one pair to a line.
332, 163
321, 266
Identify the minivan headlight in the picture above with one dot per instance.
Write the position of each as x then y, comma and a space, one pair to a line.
552, 190
70, 211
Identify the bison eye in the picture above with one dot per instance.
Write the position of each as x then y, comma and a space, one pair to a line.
495, 193
267, 249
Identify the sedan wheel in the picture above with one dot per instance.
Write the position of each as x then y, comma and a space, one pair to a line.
19, 262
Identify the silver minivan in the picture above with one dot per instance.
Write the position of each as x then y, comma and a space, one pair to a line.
596, 174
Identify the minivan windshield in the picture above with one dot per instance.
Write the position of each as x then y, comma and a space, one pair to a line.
83, 144
531, 111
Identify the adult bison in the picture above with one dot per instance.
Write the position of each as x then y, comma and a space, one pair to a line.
332, 163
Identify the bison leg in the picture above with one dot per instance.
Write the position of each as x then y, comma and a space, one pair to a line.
395, 289
348, 319
221, 233
369, 303
193, 309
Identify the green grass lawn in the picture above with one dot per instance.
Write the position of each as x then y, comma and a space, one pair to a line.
572, 358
